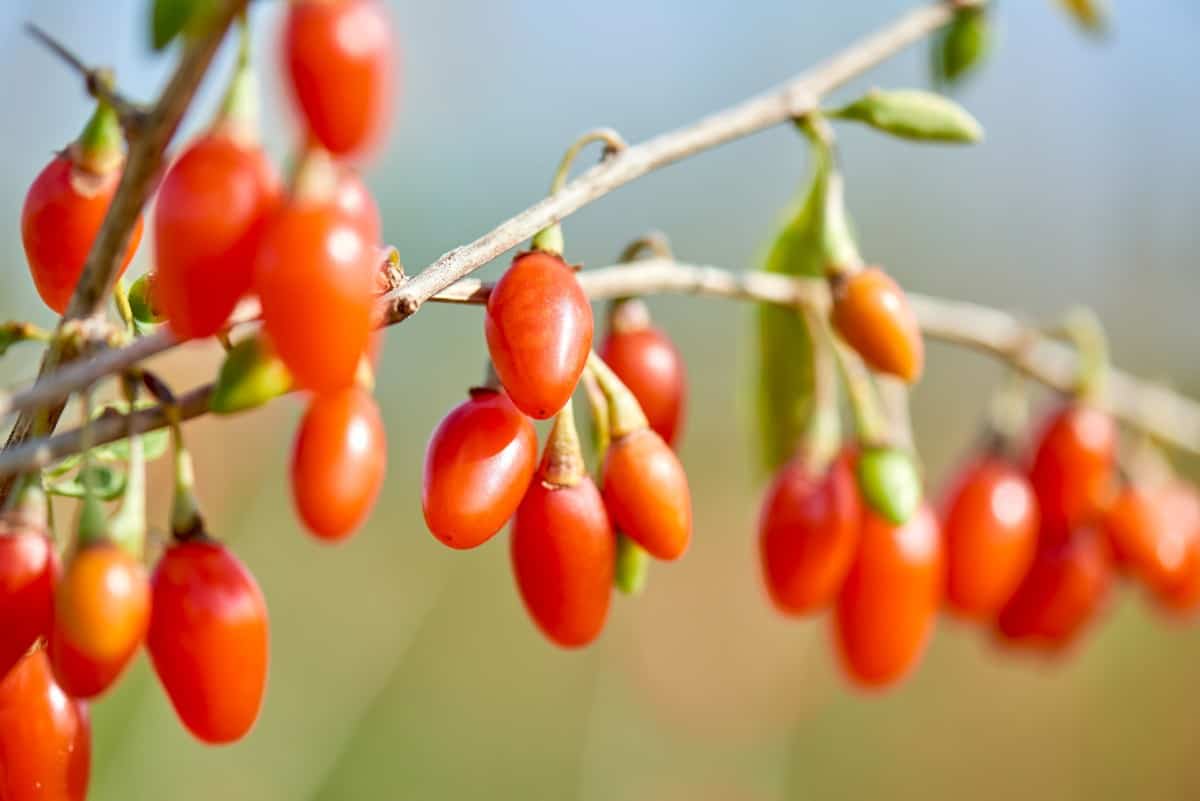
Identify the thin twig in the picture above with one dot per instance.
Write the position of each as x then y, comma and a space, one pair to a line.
1148, 407
99, 82
142, 169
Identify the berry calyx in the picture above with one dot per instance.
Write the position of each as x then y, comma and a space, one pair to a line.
871, 312
478, 465
538, 326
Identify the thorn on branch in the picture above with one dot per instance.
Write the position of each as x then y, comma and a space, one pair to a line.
99, 82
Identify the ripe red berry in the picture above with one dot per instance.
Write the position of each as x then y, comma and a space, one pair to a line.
888, 605
478, 465
563, 551
101, 612
208, 639
352, 198
539, 332
1072, 466
647, 495
1146, 538
28, 572
871, 312
339, 58
45, 736
1063, 591
59, 222
315, 265
991, 525
647, 362
808, 534
339, 462
211, 209
1180, 506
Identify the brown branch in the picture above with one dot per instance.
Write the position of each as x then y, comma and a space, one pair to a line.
142, 168
1145, 406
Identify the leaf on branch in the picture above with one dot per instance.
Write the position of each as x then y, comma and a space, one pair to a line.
107, 482
1090, 15
154, 443
913, 114
784, 382
170, 18
961, 46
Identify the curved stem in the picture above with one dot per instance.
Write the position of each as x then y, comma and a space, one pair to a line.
562, 460
625, 414
550, 238
869, 421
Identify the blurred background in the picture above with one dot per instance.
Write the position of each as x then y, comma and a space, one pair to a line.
403, 670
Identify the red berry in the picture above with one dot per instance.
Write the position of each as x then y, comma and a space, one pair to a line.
991, 526
101, 612
647, 362
1180, 506
339, 462
211, 209
45, 736
539, 332
808, 534
59, 222
478, 465
339, 58
888, 605
315, 275
871, 312
208, 639
563, 551
28, 572
1072, 467
1148, 537
1063, 591
352, 198
647, 495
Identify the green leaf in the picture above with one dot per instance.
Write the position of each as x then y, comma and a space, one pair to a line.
913, 114
961, 46
890, 483
154, 443
107, 482
170, 18
1090, 15
250, 376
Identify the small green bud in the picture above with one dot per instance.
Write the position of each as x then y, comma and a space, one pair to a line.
141, 301
890, 483
632, 568
962, 45
251, 375
913, 114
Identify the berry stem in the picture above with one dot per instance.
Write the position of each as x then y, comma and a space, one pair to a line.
655, 243
92, 523
238, 114
869, 420
550, 238
562, 460
127, 527
837, 240
822, 435
124, 309
598, 405
625, 415
1082, 327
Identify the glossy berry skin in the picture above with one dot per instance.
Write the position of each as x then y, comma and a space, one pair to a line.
45, 736
478, 465
888, 605
1180, 506
101, 613
211, 209
990, 528
339, 60
871, 312
647, 495
563, 551
338, 463
648, 363
539, 332
1146, 538
314, 265
1072, 466
1063, 591
808, 535
209, 639
28, 573
352, 198
59, 221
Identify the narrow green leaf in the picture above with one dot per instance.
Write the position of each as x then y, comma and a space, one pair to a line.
107, 482
961, 46
170, 18
913, 114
